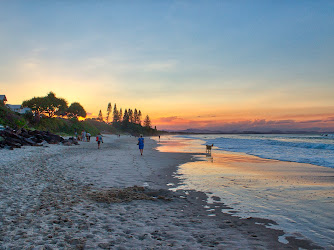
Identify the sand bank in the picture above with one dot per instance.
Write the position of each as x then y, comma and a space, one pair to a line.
45, 202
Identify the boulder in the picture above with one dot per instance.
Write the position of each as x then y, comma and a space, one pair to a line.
10, 138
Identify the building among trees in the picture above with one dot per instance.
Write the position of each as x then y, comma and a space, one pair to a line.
18, 108
3, 99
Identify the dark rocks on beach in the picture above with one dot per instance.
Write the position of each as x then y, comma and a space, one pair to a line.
11, 138
70, 141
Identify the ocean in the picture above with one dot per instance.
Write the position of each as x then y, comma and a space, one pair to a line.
312, 149
285, 178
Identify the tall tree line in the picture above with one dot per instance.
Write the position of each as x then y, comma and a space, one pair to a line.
127, 119
118, 116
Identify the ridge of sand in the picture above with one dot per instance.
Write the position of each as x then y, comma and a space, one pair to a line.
44, 202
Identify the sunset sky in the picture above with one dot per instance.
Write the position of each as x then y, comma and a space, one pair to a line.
229, 65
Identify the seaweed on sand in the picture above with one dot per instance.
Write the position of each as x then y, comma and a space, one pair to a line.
118, 195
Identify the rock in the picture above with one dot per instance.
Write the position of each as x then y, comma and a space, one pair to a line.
17, 138
29, 141
67, 143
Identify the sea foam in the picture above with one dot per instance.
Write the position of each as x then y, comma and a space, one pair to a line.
317, 149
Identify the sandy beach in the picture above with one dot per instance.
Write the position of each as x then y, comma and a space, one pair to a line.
48, 201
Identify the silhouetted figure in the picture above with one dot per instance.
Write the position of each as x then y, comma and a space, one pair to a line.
83, 135
141, 144
99, 139
88, 135
208, 149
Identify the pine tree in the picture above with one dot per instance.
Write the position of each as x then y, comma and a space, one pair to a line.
109, 109
126, 116
147, 122
139, 117
130, 113
115, 114
135, 116
100, 117
125, 121
120, 115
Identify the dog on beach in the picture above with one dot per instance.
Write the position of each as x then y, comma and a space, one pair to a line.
208, 148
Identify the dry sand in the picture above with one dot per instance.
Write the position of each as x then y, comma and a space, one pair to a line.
47, 202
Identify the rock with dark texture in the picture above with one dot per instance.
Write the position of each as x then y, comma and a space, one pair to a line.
70, 141
11, 138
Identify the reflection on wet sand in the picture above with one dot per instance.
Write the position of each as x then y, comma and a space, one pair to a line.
209, 157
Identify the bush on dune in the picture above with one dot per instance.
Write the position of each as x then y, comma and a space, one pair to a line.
67, 127
10, 118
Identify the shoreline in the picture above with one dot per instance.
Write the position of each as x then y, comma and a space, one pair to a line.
297, 196
212, 201
44, 203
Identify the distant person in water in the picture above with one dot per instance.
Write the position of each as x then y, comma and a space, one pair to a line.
141, 144
99, 139
159, 137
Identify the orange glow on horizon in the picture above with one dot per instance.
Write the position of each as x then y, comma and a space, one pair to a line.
167, 117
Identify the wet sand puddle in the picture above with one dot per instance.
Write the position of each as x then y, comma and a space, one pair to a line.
299, 197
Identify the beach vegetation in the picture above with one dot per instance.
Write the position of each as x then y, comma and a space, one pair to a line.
51, 114
130, 113
120, 117
147, 122
125, 122
109, 110
135, 116
49, 105
116, 117
76, 110
139, 118
10, 118
100, 116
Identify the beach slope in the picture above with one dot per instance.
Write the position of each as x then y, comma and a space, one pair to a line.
84, 197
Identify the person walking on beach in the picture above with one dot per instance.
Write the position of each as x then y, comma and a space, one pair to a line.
88, 135
83, 135
99, 140
141, 144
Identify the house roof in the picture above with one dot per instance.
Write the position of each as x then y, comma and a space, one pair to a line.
14, 106
3, 98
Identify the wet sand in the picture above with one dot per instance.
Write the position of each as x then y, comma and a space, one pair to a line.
298, 197
46, 203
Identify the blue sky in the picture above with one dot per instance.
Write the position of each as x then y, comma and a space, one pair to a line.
258, 59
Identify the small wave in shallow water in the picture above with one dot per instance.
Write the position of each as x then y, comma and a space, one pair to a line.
311, 149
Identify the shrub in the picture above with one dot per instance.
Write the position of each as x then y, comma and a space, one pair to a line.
11, 119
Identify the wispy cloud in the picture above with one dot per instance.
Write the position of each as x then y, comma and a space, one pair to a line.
169, 119
311, 121
260, 125
159, 66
